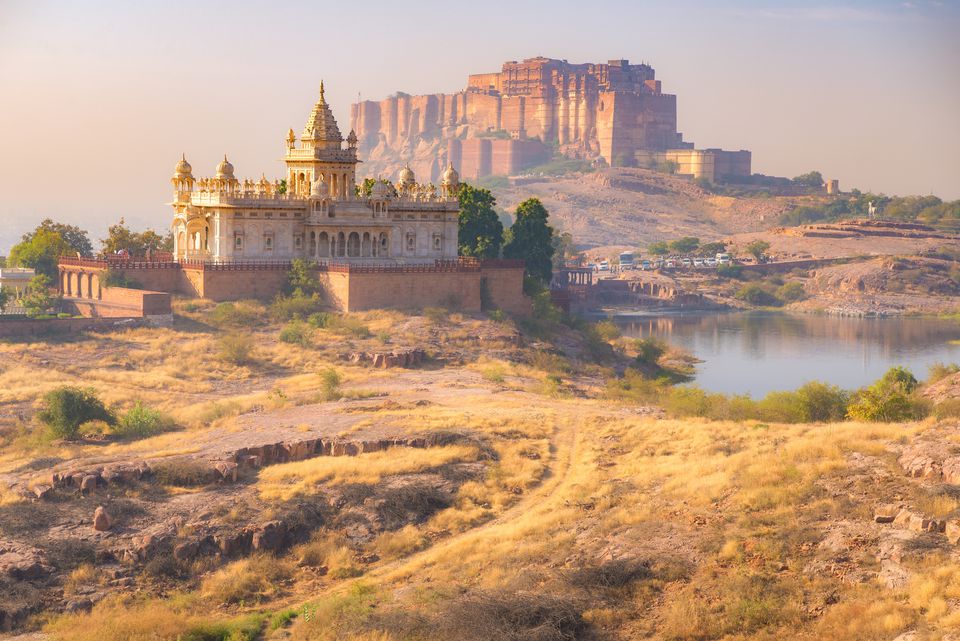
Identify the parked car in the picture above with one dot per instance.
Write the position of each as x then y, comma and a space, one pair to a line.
670, 264
686, 262
698, 262
604, 266
645, 265
724, 259
710, 262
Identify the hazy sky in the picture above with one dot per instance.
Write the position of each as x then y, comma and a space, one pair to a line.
98, 99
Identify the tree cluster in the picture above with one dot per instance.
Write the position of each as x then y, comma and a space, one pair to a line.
530, 237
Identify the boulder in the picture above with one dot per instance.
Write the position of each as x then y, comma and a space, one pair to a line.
886, 513
43, 491
101, 520
270, 537
227, 470
185, 551
951, 471
88, 484
952, 530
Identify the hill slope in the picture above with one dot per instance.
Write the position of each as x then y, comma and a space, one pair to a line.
633, 207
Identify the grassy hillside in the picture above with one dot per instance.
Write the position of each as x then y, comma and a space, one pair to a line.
526, 494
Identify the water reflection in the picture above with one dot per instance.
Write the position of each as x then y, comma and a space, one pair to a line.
757, 352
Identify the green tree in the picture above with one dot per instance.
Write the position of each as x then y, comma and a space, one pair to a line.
120, 237
282, 189
887, 400
685, 245
563, 249
77, 238
67, 408
5, 296
710, 249
480, 231
38, 299
3, 261
40, 251
810, 179
659, 248
531, 239
757, 249
302, 279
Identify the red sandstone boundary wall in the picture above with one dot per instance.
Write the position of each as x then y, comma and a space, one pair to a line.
35, 327
346, 286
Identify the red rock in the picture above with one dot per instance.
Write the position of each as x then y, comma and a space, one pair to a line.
101, 520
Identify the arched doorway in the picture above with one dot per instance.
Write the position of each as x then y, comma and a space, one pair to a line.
353, 245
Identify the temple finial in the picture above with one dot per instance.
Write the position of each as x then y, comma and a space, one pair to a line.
321, 90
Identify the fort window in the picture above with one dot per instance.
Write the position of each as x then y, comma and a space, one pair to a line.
411, 241
268, 242
437, 242
298, 241
238, 242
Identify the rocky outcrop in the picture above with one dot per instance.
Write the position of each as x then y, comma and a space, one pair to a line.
22, 562
226, 469
407, 358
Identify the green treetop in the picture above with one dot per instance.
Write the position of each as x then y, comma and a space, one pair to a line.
531, 239
481, 232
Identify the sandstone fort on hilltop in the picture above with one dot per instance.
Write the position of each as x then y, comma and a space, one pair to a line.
530, 111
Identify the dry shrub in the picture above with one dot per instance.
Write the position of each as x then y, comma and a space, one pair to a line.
415, 503
610, 575
137, 619
511, 616
182, 472
251, 580
328, 551
406, 540
236, 348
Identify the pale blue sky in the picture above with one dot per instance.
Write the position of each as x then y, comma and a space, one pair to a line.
98, 99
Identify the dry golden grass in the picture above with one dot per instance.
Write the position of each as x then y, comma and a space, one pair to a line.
283, 482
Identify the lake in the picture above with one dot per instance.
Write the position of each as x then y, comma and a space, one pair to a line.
759, 352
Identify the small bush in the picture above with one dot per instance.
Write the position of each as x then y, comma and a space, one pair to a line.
294, 307
757, 294
939, 371
331, 552
947, 409
607, 330
436, 315
250, 580
140, 422
791, 292
67, 408
414, 503
296, 333
320, 320
649, 350
511, 616
730, 271
235, 315
330, 384
236, 348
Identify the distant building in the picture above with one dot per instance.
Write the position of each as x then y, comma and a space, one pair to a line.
16, 278
518, 117
833, 186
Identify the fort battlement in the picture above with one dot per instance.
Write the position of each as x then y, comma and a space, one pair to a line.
503, 122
